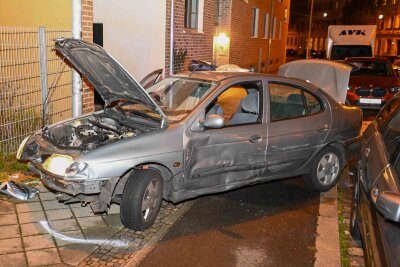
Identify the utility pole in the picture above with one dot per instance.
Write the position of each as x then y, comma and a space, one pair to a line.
309, 30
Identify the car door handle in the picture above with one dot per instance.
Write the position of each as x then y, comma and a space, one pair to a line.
255, 139
323, 128
367, 151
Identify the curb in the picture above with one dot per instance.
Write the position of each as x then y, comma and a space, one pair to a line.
148, 247
327, 241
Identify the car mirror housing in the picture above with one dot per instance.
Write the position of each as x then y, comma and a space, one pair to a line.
214, 121
388, 204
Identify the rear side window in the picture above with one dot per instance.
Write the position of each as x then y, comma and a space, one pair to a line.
288, 101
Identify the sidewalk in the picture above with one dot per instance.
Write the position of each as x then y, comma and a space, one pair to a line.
43, 232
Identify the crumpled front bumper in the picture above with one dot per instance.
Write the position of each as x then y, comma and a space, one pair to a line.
69, 187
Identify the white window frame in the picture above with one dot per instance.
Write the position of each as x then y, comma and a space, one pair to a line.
266, 26
254, 22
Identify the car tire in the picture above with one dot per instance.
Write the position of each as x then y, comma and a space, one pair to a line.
141, 199
325, 170
355, 200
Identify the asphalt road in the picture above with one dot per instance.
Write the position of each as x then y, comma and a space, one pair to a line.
271, 224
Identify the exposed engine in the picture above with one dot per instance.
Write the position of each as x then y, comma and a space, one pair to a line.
90, 132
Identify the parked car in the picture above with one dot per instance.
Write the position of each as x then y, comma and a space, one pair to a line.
199, 133
291, 52
372, 82
375, 213
151, 78
396, 66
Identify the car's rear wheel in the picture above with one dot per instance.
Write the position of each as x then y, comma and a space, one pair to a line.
325, 170
354, 227
141, 199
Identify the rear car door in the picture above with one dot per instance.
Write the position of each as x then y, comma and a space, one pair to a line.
299, 121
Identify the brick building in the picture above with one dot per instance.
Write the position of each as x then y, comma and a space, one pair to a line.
248, 33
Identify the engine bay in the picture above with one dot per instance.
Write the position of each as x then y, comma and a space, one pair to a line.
91, 132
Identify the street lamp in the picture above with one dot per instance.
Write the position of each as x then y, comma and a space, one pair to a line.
325, 14
380, 16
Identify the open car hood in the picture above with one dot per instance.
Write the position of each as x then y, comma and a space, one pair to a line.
332, 77
107, 76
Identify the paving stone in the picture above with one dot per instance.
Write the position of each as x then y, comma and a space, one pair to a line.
31, 217
100, 233
53, 215
113, 220
74, 254
53, 205
11, 245
114, 209
29, 207
8, 219
64, 225
42, 188
48, 196
43, 257
83, 212
356, 251
69, 238
14, 259
6, 207
38, 242
88, 222
9, 231
32, 229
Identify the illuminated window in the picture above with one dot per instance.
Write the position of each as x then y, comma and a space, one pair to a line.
266, 25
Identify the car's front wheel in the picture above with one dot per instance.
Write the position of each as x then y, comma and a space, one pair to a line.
354, 227
141, 199
325, 170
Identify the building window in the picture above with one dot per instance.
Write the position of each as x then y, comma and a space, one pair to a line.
266, 25
254, 24
274, 28
191, 13
280, 31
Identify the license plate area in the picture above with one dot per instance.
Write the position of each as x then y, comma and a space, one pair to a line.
372, 101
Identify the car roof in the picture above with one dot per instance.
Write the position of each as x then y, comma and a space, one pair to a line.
218, 76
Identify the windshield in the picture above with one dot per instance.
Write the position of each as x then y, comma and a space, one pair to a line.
177, 97
340, 52
367, 68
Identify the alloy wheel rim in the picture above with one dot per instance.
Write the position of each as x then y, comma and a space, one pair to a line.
328, 169
149, 201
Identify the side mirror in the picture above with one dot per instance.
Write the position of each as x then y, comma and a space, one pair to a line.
388, 204
214, 121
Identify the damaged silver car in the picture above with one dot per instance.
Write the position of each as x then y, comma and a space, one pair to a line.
187, 135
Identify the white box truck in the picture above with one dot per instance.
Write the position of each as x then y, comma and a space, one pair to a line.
350, 41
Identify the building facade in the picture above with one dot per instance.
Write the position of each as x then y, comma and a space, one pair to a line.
387, 19
325, 13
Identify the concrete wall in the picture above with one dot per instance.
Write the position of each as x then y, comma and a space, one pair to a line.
134, 33
28, 13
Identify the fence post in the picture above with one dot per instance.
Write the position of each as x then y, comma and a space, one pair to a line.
43, 73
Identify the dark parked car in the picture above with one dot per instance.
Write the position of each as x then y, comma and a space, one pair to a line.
375, 214
187, 135
372, 82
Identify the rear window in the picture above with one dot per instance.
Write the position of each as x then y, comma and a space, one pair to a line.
340, 52
367, 68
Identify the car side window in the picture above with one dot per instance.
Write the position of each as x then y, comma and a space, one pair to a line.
288, 102
386, 114
238, 104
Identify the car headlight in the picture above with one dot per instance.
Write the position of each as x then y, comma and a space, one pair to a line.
76, 169
394, 89
21, 147
58, 164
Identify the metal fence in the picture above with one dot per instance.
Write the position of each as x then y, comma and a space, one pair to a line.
28, 79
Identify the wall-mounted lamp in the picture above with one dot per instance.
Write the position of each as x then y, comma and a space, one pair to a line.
222, 40
380, 16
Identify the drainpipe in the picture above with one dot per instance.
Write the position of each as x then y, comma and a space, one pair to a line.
171, 41
76, 78
271, 26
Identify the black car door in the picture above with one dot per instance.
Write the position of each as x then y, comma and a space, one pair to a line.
379, 153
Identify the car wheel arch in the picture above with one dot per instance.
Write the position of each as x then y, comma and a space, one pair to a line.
161, 169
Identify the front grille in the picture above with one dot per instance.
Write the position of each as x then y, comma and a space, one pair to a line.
363, 92
376, 92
